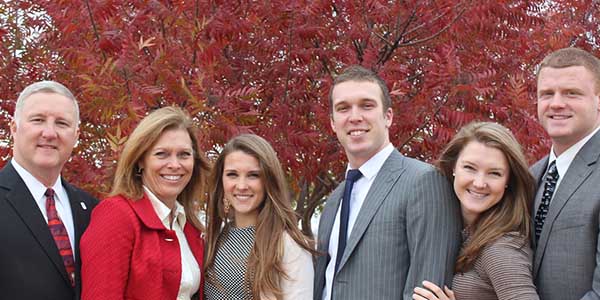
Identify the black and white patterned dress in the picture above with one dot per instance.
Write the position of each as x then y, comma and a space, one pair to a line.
225, 279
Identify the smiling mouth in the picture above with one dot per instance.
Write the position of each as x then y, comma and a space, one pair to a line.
477, 194
242, 197
171, 177
357, 132
48, 147
559, 117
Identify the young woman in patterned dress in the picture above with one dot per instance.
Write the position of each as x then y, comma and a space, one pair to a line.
254, 247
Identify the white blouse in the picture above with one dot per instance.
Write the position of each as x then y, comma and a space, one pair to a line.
190, 270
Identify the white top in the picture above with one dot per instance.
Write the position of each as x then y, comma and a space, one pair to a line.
564, 160
297, 264
360, 189
190, 270
38, 189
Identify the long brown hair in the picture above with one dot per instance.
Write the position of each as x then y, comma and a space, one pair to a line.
275, 217
127, 181
511, 213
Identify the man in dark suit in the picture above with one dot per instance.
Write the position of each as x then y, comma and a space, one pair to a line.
42, 217
399, 223
567, 205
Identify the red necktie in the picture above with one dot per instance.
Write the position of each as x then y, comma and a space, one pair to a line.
60, 235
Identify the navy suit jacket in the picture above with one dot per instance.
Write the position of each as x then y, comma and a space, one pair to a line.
31, 267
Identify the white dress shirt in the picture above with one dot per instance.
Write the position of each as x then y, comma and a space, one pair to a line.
360, 189
190, 270
564, 160
38, 189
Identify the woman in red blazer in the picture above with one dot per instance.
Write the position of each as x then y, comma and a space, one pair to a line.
144, 241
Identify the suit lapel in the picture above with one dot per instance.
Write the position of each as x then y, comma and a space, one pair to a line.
324, 235
328, 217
21, 200
382, 184
78, 210
537, 170
579, 170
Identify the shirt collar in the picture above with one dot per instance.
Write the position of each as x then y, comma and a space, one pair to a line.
163, 211
36, 188
370, 168
564, 160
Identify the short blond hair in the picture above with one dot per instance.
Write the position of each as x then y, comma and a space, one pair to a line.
572, 57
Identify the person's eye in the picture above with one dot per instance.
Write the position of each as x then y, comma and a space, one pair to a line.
369, 105
185, 154
160, 154
341, 108
468, 167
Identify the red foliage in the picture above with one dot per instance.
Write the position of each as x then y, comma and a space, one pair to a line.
266, 67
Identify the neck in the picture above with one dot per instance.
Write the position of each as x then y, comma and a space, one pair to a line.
47, 177
170, 203
244, 221
468, 219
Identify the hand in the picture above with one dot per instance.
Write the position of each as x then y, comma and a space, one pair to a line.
432, 292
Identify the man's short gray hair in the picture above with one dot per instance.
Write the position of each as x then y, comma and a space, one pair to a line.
44, 87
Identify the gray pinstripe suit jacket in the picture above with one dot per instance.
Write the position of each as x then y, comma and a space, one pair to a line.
407, 230
565, 264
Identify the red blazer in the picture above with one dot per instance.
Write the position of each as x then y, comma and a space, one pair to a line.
127, 253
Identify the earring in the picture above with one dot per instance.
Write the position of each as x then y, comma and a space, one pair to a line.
226, 206
453, 174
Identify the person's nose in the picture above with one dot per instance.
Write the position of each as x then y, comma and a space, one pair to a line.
355, 114
557, 101
49, 131
479, 181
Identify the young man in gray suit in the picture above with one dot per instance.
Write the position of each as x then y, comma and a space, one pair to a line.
394, 221
42, 217
567, 204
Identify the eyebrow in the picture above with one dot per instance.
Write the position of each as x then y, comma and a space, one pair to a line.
491, 169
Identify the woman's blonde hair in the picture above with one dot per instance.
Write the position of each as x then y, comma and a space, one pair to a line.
275, 217
511, 213
128, 182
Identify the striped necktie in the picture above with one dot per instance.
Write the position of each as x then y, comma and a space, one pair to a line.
551, 179
60, 235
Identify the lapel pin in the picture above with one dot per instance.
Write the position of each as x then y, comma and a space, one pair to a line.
83, 205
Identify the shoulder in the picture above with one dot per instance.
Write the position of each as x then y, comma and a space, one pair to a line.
9, 178
539, 165
114, 208
509, 246
80, 194
113, 219
418, 169
292, 251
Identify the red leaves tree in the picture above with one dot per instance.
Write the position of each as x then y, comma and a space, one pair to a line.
267, 67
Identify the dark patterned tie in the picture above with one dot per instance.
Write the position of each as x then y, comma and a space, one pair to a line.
60, 235
352, 176
551, 179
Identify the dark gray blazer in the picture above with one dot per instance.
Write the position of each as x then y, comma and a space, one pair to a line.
407, 230
31, 265
566, 258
